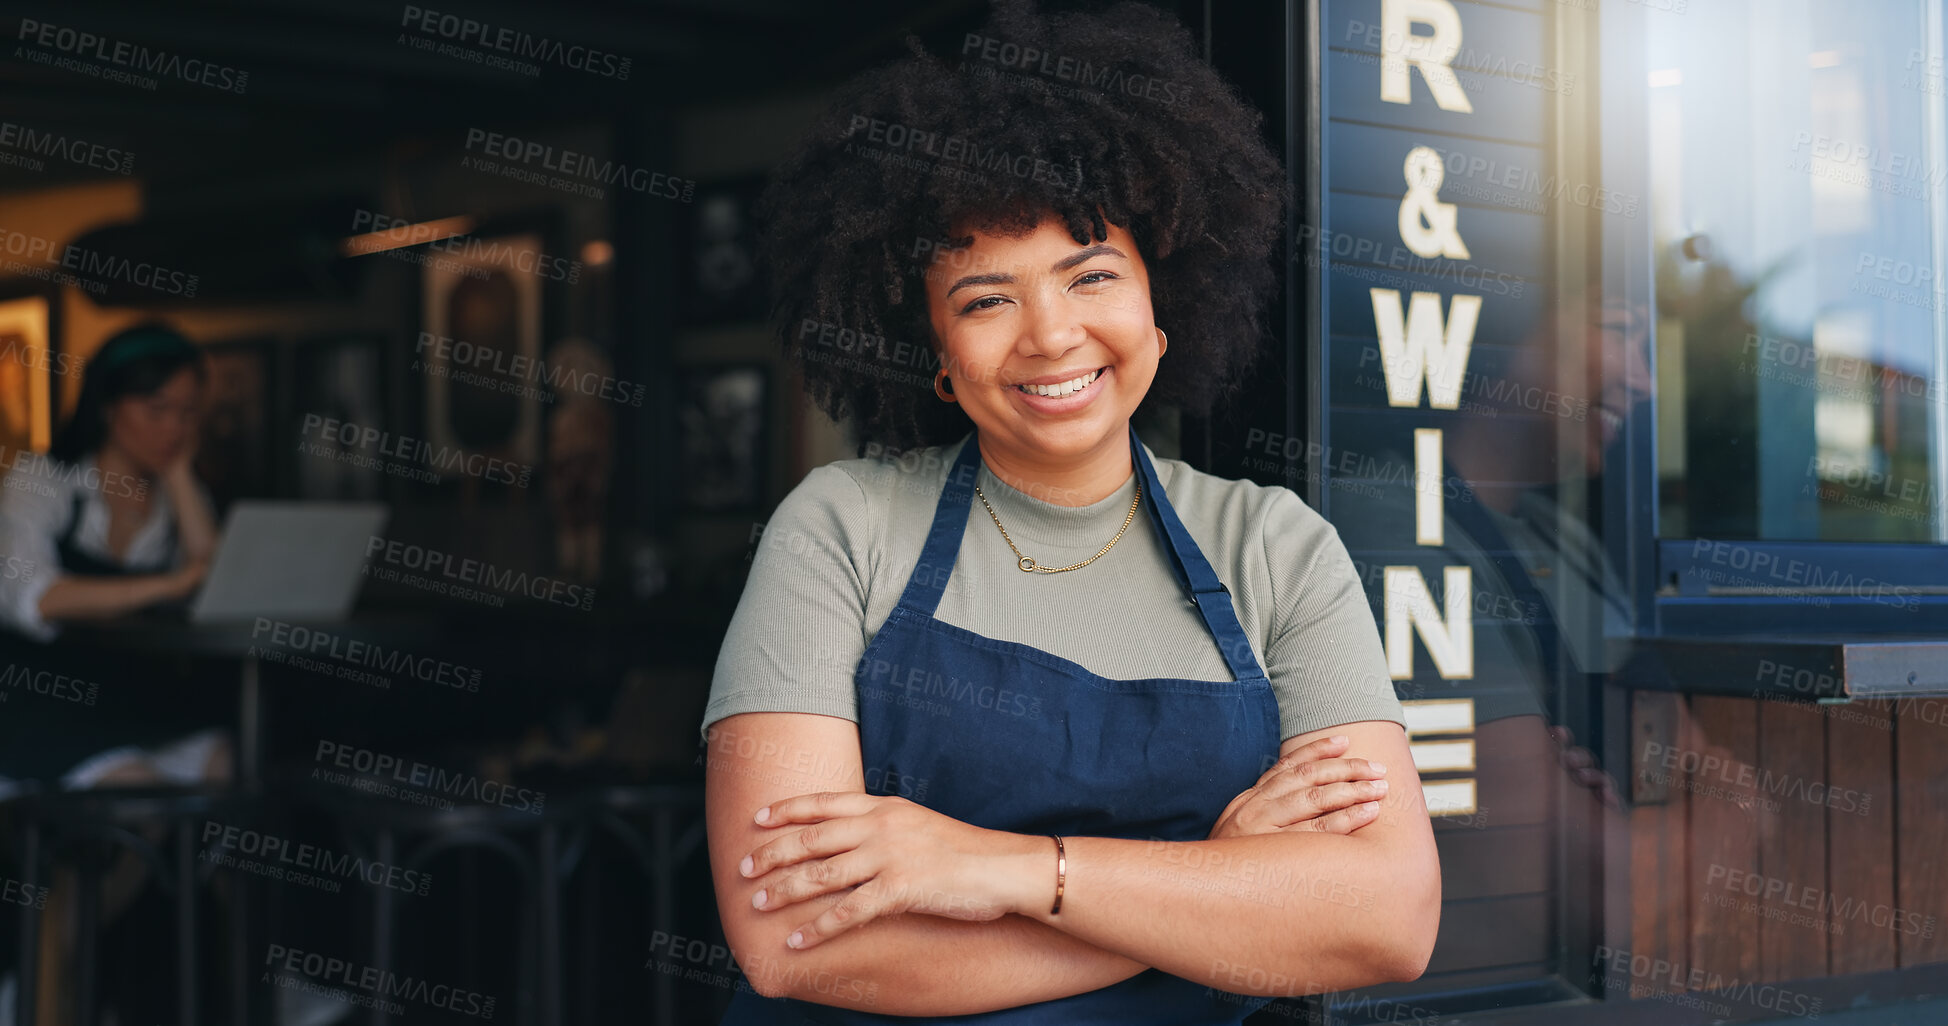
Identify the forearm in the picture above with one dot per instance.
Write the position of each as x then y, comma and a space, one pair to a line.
914, 964
83, 598
1297, 912
925, 965
195, 521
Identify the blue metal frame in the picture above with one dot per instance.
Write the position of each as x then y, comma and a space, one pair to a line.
1829, 587
1628, 268
1567, 980
1671, 580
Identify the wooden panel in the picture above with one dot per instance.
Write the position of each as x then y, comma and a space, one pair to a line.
1498, 931
1503, 245
1488, 34
1511, 312
1493, 863
1921, 773
1372, 432
1505, 110
1660, 900
1841, 815
1474, 172
1722, 735
1792, 841
1517, 766
1860, 849
1500, 381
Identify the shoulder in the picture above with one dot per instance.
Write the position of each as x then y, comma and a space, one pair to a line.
885, 481
37, 488
857, 498
830, 486
1246, 512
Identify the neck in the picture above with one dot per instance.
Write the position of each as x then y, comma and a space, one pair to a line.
113, 459
1090, 478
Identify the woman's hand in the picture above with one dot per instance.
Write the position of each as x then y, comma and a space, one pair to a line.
895, 855
1581, 764
196, 531
182, 468
184, 580
1310, 789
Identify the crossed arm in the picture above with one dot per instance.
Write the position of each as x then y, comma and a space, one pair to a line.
80, 596
965, 927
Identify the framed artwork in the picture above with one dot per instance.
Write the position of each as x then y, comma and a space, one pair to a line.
723, 436
233, 454
481, 324
720, 255
339, 378
29, 359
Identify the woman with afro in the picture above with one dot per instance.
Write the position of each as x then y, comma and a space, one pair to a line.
1017, 722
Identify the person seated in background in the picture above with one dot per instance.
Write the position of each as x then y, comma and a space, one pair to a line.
109, 521
87, 515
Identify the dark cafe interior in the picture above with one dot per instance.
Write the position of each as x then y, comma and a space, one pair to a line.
394, 398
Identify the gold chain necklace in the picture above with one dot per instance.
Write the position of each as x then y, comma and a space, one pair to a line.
1028, 565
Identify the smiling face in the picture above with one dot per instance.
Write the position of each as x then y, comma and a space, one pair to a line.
1049, 345
1621, 372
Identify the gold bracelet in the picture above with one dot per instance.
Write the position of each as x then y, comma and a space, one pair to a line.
1061, 872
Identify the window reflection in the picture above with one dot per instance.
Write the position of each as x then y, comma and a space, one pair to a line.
1797, 181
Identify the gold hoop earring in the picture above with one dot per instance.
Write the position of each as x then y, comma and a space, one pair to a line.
946, 395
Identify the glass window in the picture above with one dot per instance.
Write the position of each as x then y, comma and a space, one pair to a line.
1797, 172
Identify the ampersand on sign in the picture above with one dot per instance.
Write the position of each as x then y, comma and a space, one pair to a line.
1427, 224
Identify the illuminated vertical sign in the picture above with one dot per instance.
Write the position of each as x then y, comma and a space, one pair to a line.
1439, 732
1417, 343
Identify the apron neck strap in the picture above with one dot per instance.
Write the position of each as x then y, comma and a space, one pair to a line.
1200, 582
929, 580
1194, 573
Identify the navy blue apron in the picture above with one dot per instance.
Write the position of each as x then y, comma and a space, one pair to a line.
944, 711
77, 560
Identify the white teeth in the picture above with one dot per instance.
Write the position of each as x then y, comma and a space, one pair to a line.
1064, 388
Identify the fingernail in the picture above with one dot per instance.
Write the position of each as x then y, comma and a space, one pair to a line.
795, 939
1380, 786
1373, 807
757, 900
1338, 739
764, 814
746, 866
1378, 767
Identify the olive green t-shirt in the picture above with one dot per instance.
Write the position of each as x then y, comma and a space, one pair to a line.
833, 559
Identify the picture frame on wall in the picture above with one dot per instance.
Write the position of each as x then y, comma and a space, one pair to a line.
233, 453
30, 365
720, 254
340, 378
483, 322
723, 419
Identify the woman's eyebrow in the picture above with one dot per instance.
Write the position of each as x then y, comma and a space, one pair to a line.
973, 280
1082, 255
1078, 257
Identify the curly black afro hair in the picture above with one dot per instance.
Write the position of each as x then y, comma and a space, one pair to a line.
1106, 115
